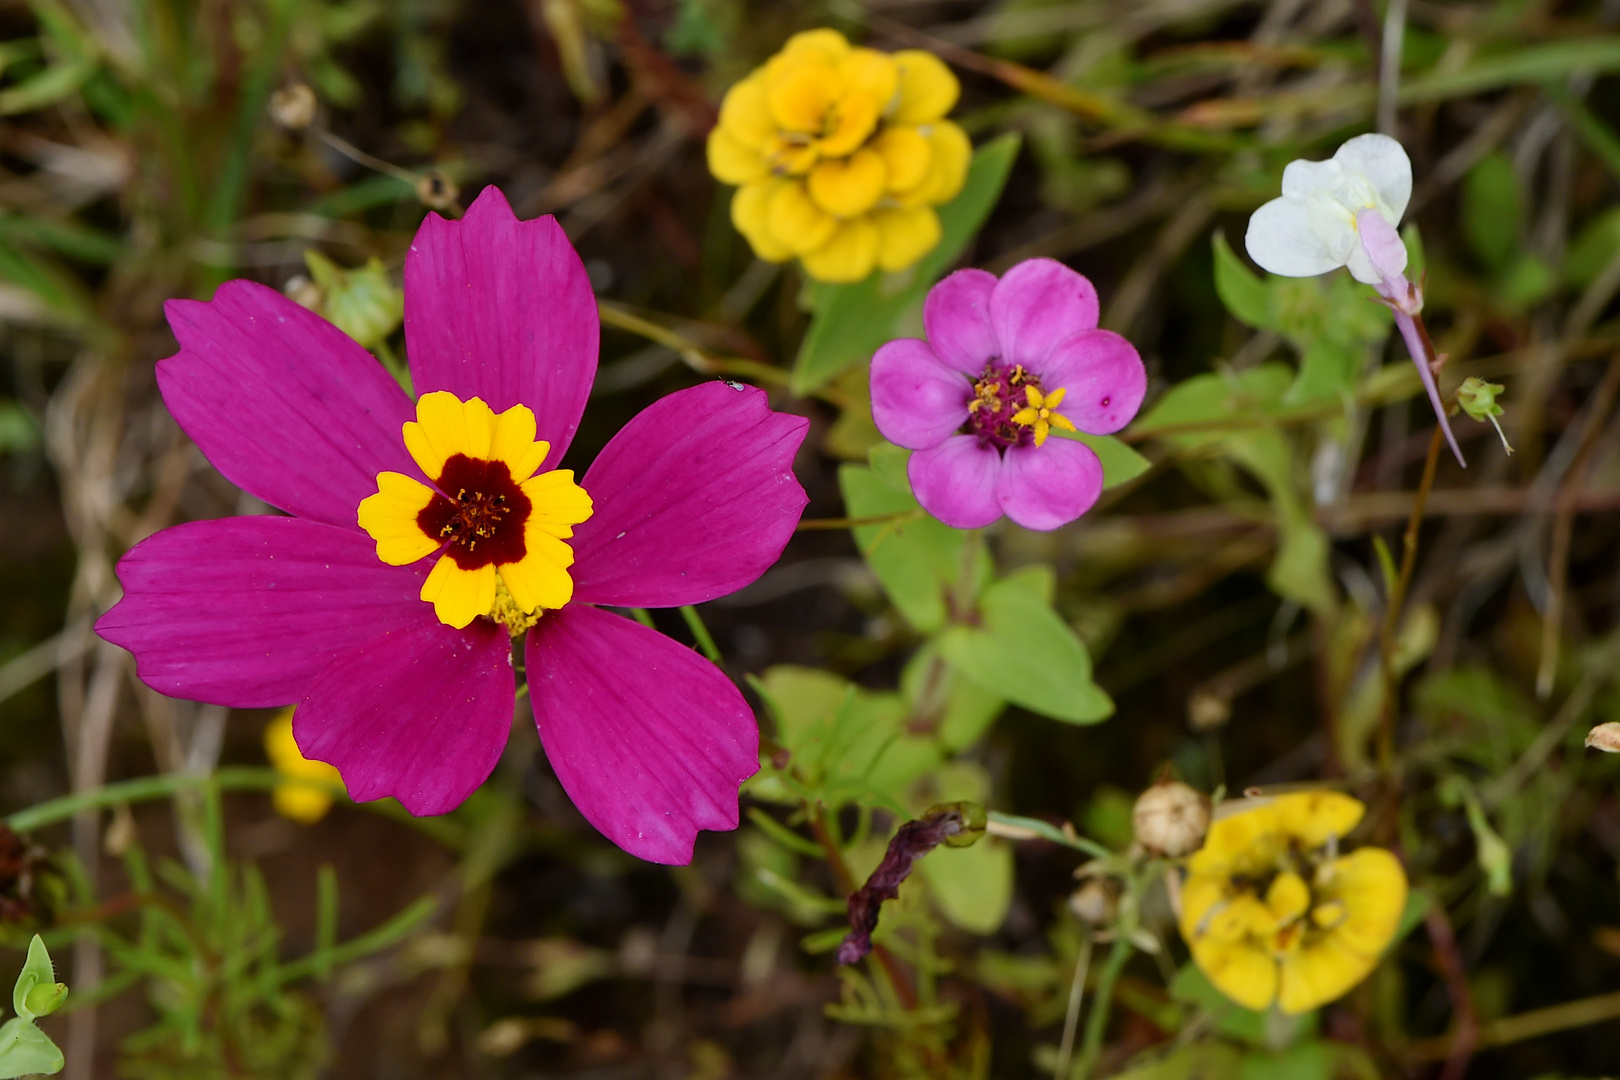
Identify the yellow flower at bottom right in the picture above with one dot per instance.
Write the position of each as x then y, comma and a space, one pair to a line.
1273, 912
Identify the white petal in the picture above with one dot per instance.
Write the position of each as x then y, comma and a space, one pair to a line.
1384, 164
1302, 179
1362, 268
1285, 239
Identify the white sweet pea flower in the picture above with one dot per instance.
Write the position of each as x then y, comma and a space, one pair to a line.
1312, 228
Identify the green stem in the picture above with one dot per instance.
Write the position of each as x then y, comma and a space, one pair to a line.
694, 623
1097, 1022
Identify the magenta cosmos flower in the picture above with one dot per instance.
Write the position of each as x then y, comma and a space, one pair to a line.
424, 538
1006, 362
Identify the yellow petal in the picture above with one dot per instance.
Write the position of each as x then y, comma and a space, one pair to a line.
445, 426
1319, 973
1372, 886
1288, 897
1312, 817
512, 441
750, 214
390, 518
745, 116
1054, 398
1199, 894
872, 74
302, 803
1026, 417
1243, 839
928, 90
557, 503
907, 153
796, 221
802, 95
1033, 396
787, 157
824, 44
904, 236
306, 795
1243, 972
1239, 919
459, 596
947, 167
847, 257
1061, 422
849, 187
730, 162
847, 126
536, 582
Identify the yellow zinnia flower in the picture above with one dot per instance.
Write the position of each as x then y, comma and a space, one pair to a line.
840, 155
305, 791
1273, 913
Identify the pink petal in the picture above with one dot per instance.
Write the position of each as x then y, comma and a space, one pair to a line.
1104, 377
956, 481
916, 400
501, 309
1037, 304
1042, 487
282, 402
649, 739
247, 611
694, 498
421, 713
956, 317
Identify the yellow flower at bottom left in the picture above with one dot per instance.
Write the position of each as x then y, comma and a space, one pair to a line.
304, 793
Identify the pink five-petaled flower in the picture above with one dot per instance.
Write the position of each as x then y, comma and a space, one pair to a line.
402, 680
1005, 362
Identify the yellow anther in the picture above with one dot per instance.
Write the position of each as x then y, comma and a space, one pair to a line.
1041, 412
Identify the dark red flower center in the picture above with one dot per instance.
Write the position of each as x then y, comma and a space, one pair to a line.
998, 395
478, 511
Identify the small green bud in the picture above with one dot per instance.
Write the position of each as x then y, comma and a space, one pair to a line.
1477, 398
973, 820
364, 303
46, 998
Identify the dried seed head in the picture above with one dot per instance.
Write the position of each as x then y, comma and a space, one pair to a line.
1171, 818
1605, 737
293, 107
1095, 902
436, 191
304, 292
1208, 710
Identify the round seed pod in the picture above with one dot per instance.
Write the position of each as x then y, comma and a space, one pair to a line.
1170, 819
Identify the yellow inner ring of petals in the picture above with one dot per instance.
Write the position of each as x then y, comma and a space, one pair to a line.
513, 591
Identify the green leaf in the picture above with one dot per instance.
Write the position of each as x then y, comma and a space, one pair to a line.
26, 1051
37, 993
1023, 650
915, 557
1120, 463
973, 886
966, 709
851, 321
1240, 289
1492, 210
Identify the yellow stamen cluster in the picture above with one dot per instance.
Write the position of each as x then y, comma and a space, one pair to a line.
1041, 412
840, 155
1274, 914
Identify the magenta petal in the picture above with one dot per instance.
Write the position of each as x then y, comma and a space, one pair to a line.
694, 498
502, 309
649, 739
282, 402
1042, 487
1103, 376
956, 481
916, 401
1037, 304
247, 611
421, 714
956, 317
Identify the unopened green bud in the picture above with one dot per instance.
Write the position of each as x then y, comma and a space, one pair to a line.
973, 821
1477, 398
46, 998
364, 303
